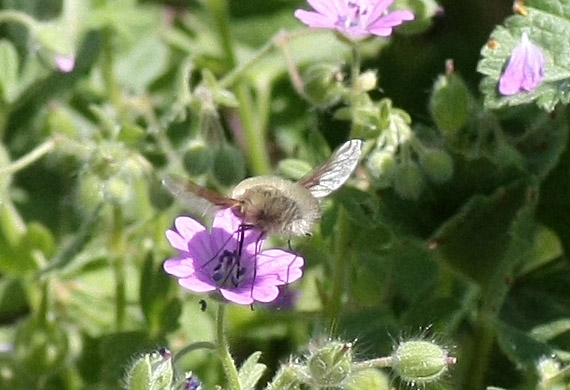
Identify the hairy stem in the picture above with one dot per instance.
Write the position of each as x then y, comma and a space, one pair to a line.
224, 351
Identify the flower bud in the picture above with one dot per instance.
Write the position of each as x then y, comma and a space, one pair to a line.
382, 166
330, 365
449, 103
60, 121
323, 84
420, 361
229, 166
547, 368
192, 383
367, 81
289, 377
408, 180
437, 164
368, 379
508, 156
197, 159
151, 371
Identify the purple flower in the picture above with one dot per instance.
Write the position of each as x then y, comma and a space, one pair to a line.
209, 261
354, 18
525, 69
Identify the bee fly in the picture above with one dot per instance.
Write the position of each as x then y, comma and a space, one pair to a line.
272, 204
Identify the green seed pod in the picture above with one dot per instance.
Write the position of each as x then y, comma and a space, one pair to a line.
159, 197
368, 379
330, 365
409, 181
323, 84
437, 164
198, 159
449, 104
229, 166
90, 193
118, 190
508, 156
382, 167
420, 361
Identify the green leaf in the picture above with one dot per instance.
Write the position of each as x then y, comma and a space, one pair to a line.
143, 64
476, 240
520, 347
161, 313
293, 168
544, 143
9, 66
547, 25
555, 197
251, 371
117, 348
550, 330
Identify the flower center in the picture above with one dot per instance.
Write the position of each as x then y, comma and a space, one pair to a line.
355, 17
228, 272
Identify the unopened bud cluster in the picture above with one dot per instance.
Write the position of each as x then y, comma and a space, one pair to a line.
331, 364
154, 371
408, 168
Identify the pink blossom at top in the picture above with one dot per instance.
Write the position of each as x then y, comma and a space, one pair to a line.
525, 69
354, 18
208, 261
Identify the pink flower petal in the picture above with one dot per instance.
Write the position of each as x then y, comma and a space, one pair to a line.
525, 69
187, 227
241, 296
327, 8
179, 267
283, 266
379, 9
197, 285
393, 19
225, 232
313, 19
265, 293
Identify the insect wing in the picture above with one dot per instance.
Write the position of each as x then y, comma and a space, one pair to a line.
196, 198
333, 173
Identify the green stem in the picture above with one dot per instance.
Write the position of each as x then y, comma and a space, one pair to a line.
354, 74
382, 362
29, 158
483, 341
18, 17
253, 133
343, 225
193, 347
119, 266
334, 304
108, 72
219, 10
224, 351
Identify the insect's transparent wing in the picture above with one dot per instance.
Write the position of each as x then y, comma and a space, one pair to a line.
195, 198
333, 173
